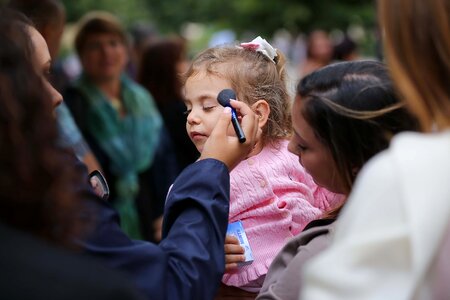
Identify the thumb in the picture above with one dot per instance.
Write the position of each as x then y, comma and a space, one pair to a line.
218, 146
223, 123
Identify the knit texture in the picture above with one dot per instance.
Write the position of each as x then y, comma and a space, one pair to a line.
275, 199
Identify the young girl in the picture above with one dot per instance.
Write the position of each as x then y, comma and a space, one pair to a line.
270, 193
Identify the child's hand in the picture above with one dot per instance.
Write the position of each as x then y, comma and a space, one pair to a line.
234, 253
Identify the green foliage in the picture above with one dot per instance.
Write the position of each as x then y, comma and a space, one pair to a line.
245, 17
262, 16
128, 11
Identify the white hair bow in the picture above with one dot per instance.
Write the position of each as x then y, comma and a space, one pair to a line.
261, 45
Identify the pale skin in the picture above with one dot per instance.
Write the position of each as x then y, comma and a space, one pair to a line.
226, 148
203, 111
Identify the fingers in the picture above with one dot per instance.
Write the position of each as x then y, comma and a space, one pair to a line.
223, 123
234, 258
231, 239
231, 249
218, 139
226, 148
231, 267
249, 121
232, 261
234, 253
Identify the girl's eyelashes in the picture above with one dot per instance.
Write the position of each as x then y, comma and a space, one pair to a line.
204, 108
209, 108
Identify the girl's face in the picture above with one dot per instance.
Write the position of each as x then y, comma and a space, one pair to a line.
104, 56
203, 109
313, 155
42, 62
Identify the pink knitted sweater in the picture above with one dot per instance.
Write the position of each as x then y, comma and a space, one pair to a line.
275, 199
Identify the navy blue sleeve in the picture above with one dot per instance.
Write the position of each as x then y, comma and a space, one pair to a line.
189, 261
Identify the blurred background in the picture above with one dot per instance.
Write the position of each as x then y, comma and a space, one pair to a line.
199, 21
350, 25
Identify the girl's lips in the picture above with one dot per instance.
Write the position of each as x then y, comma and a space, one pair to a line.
197, 136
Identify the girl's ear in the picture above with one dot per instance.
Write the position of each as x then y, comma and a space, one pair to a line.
262, 111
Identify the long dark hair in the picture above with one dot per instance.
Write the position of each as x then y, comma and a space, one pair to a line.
36, 185
354, 111
158, 70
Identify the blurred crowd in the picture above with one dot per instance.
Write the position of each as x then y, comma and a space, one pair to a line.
122, 127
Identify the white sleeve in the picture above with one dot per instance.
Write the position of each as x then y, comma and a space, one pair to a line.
370, 255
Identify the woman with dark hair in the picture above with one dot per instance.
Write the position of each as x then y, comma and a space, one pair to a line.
48, 17
32, 165
343, 115
398, 214
319, 52
162, 64
39, 208
346, 49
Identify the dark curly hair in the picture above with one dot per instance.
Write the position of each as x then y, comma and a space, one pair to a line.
36, 184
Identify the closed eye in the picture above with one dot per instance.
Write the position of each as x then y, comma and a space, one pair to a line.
187, 112
302, 148
209, 108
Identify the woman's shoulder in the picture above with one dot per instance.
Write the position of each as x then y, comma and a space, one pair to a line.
421, 141
411, 177
417, 152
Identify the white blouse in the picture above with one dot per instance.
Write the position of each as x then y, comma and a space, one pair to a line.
392, 226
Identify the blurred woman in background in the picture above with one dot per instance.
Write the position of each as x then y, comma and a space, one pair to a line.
121, 124
319, 52
162, 63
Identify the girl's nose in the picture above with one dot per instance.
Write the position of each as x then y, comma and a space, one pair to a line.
192, 118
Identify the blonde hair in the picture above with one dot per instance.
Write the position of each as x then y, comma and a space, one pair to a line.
417, 45
254, 77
